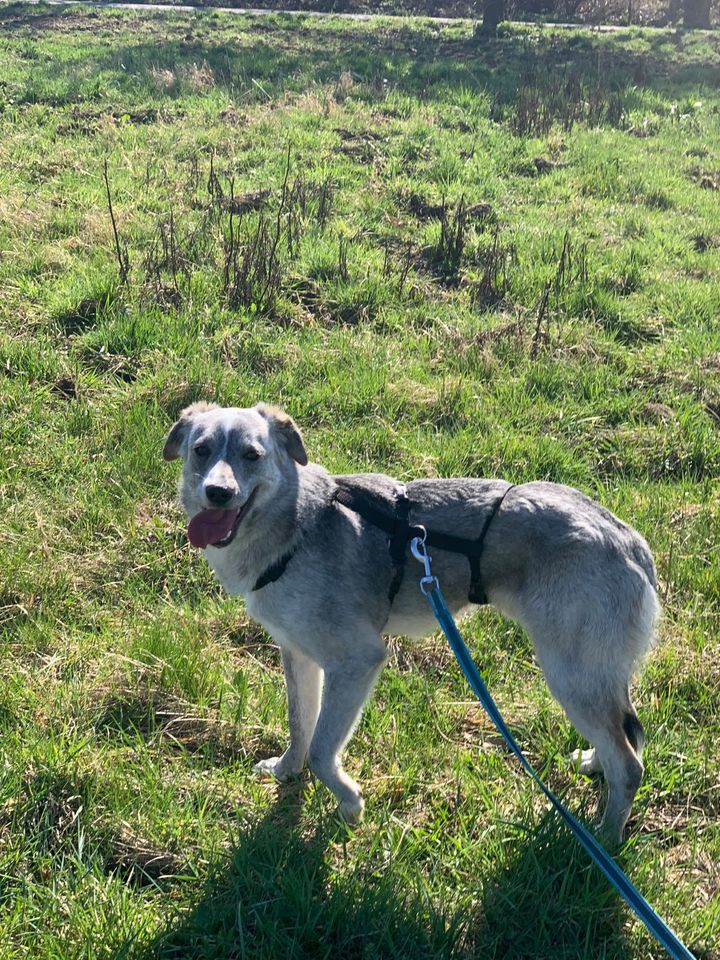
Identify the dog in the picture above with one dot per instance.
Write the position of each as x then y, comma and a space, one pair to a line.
316, 572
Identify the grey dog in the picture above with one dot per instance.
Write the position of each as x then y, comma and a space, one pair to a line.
317, 575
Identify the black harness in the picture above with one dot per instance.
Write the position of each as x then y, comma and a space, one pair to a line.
392, 516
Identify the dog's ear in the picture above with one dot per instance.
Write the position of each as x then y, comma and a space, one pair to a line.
178, 435
287, 430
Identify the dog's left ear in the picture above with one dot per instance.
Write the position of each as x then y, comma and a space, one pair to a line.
177, 436
287, 429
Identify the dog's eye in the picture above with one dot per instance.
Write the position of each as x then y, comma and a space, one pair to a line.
202, 450
252, 454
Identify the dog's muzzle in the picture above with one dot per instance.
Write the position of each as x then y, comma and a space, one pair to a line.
217, 527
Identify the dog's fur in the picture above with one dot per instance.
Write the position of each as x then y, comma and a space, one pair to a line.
580, 581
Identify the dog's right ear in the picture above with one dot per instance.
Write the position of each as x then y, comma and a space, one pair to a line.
178, 435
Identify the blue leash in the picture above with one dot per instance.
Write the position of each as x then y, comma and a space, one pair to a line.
656, 925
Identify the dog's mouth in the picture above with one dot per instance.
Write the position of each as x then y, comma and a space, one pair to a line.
218, 527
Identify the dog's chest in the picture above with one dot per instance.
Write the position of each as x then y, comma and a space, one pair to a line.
230, 571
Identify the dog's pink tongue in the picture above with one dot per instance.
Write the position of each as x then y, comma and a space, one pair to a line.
210, 526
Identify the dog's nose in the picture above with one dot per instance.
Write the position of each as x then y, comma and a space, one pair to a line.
218, 496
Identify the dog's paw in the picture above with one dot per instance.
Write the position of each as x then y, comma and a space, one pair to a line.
273, 767
610, 836
352, 810
586, 761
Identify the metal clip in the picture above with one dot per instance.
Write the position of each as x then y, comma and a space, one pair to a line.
419, 551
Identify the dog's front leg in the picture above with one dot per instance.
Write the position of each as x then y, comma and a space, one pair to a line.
347, 686
303, 678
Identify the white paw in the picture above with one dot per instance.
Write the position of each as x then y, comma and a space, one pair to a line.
586, 761
352, 810
273, 767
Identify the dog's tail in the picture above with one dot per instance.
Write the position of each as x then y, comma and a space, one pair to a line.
648, 611
644, 633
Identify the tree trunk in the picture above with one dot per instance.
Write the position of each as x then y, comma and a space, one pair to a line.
696, 14
493, 13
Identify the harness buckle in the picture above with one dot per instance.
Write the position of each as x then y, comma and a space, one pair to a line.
419, 551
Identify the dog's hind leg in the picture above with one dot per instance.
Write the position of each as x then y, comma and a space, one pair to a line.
588, 641
604, 715
303, 679
617, 756
588, 762
348, 684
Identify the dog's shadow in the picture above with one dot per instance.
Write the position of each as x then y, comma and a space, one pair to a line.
547, 900
279, 894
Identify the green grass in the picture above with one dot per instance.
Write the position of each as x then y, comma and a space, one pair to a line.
134, 698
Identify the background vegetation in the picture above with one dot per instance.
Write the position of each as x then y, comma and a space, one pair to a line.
442, 258
688, 13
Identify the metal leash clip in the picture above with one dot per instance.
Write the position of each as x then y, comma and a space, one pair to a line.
419, 551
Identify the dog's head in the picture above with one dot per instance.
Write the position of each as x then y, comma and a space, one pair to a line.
236, 461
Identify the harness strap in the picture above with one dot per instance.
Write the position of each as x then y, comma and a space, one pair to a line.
476, 593
399, 540
361, 504
395, 522
400, 531
275, 570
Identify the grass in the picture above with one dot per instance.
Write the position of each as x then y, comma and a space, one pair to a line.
442, 258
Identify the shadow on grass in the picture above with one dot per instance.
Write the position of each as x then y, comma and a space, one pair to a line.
279, 895
548, 901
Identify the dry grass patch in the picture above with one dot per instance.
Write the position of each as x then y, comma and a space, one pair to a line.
696, 871
140, 861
